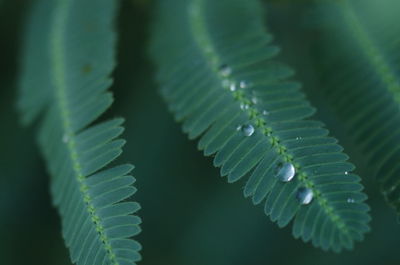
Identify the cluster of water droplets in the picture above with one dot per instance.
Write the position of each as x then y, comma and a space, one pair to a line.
244, 106
225, 71
285, 172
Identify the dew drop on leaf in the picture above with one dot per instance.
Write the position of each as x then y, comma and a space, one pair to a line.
304, 195
244, 106
286, 172
247, 130
243, 84
225, 70
232, 87
264, 112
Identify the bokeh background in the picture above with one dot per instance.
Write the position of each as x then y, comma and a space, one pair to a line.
191, 216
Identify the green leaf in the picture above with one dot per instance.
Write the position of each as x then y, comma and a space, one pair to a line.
68, 56
361, 80
216, 65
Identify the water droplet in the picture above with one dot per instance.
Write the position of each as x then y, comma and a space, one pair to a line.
298, 138
254, 100
232, 87
65, 138
225, 70
286, 172
346, 173
264, 112
350, 200
247, 130
243, 84
304, 195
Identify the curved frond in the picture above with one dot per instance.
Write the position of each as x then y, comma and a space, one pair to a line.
220, 78
362, 82
66, 65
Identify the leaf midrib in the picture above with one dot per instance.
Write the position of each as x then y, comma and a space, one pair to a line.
58, 62
205, 44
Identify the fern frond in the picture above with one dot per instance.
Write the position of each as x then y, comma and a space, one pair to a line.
361, 80
219, 77
66, 65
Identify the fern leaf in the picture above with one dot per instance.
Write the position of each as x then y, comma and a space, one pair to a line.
365, 91
66, 65
219, 77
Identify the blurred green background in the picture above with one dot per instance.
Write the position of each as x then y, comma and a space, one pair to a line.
190, 215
